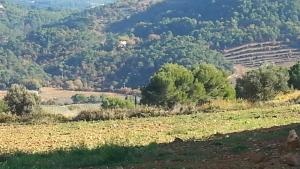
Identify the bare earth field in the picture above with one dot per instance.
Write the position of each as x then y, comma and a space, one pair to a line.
223, 140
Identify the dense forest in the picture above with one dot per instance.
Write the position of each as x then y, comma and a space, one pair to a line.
124, 43
65, 4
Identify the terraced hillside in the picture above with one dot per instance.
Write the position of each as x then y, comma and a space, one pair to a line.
256, 54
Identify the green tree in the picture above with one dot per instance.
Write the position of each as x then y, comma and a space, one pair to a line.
169, 86
20, 101
263, 84
214, 81
174, 84
295, 76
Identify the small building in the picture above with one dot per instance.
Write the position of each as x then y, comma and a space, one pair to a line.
122, 44
2, 7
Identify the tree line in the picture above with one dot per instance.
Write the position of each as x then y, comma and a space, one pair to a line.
174, 84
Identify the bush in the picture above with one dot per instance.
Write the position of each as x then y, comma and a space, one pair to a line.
225, 105
114, 103
95, 99
294, 73
3, 106
20, 101
34, 118
32, 84
140, 112
101, 114
263, 84
8, 118
79, 98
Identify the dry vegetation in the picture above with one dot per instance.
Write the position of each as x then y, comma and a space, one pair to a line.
203, 135
62, 96
46, 137
118, 141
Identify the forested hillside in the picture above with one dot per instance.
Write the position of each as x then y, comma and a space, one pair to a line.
63, 4
127, 41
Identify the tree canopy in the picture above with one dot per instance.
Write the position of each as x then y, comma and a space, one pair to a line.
263, 84
174, 84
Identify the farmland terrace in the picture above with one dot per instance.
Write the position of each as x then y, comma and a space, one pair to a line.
256, 54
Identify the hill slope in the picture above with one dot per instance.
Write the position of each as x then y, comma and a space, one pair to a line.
256, 54
127, 41
63, 4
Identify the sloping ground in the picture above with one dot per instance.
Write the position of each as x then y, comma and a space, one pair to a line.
233, 139
256, 54
257, 149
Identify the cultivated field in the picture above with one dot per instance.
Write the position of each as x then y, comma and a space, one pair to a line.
257, 54
179, 141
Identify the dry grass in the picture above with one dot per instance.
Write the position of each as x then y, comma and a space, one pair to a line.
135, 132
50, 93
69, 111
287, 97
63, 96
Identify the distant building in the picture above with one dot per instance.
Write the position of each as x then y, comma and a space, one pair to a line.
122, 44
2, 9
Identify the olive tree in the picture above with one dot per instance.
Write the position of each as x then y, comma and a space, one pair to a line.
20, 101
263, 83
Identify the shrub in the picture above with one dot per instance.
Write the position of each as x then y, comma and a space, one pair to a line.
114, 103
95, 99
79, 98
294, 73
32, 84
140, 112
3, 106
41, 117
34, 118
96, 115
20, 101
225, 105
7, 118
263, 84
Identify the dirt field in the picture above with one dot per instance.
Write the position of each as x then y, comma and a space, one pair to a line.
248, 139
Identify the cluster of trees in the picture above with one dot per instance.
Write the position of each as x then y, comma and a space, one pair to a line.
263, 84
266, 82
62, 46
104, 101
174, 84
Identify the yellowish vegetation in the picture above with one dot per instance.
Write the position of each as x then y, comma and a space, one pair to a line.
49, 137
286, 97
